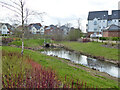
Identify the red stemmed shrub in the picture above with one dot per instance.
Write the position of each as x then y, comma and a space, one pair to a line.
34, 77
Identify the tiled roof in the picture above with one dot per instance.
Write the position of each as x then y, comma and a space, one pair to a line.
104, 15
113, 27
98, 14
116, 14
36, 25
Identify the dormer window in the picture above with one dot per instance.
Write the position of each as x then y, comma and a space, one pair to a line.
95, 22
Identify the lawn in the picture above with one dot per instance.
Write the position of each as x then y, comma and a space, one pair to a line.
93, 48
0, 47
63, 69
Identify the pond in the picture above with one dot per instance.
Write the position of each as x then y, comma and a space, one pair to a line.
100, 65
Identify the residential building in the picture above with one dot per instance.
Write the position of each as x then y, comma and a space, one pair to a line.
99, 20
6, 28
36, 28
65, 29
50, 30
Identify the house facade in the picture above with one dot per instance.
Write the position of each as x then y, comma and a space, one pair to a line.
99, 20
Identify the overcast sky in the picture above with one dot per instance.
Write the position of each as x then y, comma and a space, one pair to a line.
64, 11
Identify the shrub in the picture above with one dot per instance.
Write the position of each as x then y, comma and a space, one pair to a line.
85, 40
7, 40
113, 44
115, 38
74, 35
4, 34
105, 43
103, 38
110, 38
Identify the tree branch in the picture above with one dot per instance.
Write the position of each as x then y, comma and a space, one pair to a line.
15, 3
9, 5
10, 9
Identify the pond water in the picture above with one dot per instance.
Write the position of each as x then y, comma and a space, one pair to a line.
100, 65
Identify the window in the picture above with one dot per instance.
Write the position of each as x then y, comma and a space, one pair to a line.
103, 27
119, 20
4, 27
4, 32
95, 29
95, 22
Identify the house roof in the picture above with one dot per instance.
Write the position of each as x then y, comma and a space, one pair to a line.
104, 15
113, 27
116, 14
64, 27
54, 27
36, 25
98, 14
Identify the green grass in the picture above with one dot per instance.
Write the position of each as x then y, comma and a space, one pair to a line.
0, 47
63, 69
30, 42
93, 48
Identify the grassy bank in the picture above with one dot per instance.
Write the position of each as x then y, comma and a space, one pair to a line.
30, 42
63, 69
93, 48
0, 47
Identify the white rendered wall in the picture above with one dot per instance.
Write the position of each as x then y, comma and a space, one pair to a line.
100, 25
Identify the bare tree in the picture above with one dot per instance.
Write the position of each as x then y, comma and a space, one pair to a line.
21, 12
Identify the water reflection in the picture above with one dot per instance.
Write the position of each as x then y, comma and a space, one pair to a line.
102, 66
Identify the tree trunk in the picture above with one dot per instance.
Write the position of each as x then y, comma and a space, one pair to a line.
22, 30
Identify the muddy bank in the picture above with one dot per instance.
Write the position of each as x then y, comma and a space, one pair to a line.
89, 55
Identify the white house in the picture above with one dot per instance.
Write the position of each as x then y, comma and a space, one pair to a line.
65, 29
4, 29
36, 28
99, 20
